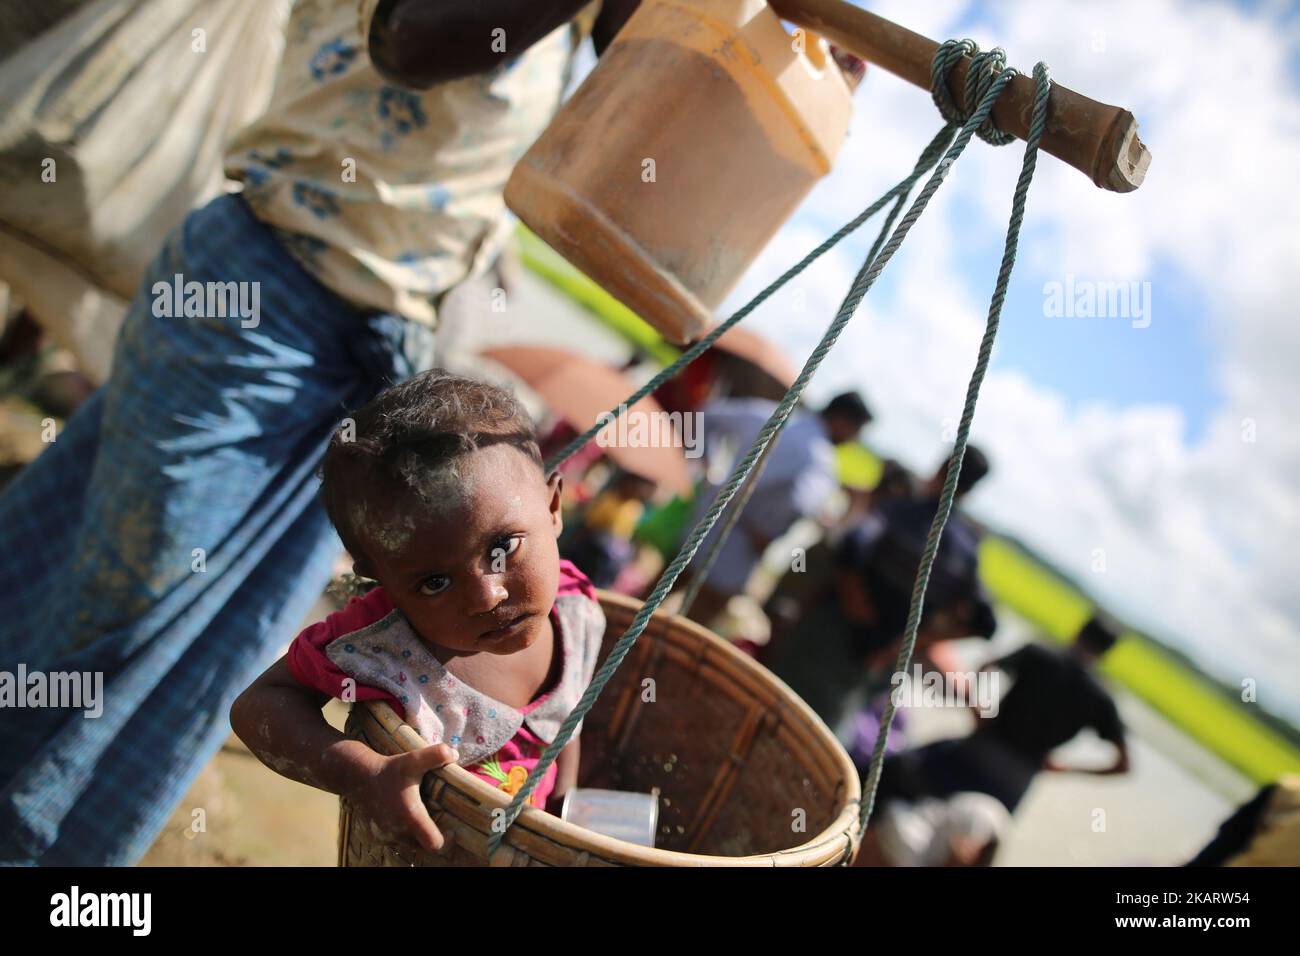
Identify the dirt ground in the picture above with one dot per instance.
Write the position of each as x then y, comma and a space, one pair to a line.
253, 817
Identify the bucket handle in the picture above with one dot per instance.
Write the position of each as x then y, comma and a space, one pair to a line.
814, 49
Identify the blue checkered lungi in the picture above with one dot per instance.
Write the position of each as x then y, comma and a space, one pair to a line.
171, 537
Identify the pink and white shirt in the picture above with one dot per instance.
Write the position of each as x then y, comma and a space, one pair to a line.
368, 651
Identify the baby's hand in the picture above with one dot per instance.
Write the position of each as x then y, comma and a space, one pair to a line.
390, 798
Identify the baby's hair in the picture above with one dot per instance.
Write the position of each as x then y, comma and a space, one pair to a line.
405, 443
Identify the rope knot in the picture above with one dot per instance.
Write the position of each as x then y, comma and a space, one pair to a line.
984, 69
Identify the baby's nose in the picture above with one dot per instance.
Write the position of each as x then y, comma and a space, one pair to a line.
489, 593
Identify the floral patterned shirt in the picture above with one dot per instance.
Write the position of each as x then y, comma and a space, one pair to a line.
390, 196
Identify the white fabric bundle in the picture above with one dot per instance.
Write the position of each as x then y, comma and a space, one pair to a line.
127, 106
923, 833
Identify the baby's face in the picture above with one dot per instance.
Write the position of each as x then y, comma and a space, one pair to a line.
478, 571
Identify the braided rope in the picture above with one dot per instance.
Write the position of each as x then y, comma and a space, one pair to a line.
737, 506
866, 277
983, 69
1043, 87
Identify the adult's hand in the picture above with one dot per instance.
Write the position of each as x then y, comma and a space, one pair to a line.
853, 67
420, 43
613, 14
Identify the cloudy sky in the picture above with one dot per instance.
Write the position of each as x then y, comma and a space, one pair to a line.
1156, 459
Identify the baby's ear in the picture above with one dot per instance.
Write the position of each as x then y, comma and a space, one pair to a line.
554, 487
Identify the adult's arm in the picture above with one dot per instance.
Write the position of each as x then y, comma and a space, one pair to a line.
1110, 728
1010, 663
1119, 765
421, 43
613, 14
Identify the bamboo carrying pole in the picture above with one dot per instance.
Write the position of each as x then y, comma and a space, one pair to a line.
1100, 141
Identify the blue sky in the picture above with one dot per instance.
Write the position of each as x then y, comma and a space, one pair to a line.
1086, 361
1091, 361
1099, 361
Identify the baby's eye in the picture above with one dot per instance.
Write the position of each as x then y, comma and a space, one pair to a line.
505, 546
435, 584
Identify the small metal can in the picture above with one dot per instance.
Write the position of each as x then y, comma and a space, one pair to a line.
620, 814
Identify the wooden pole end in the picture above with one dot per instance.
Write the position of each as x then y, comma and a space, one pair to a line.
1123, 158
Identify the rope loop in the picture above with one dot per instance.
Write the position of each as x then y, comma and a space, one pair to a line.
984, 69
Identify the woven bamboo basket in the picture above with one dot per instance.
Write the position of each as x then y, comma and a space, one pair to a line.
747, 774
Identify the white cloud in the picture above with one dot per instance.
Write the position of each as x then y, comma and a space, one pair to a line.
1198, 537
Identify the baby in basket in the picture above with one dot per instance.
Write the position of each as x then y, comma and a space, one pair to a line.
478, 633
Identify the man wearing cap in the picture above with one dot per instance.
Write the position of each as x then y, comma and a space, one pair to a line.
797, 478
